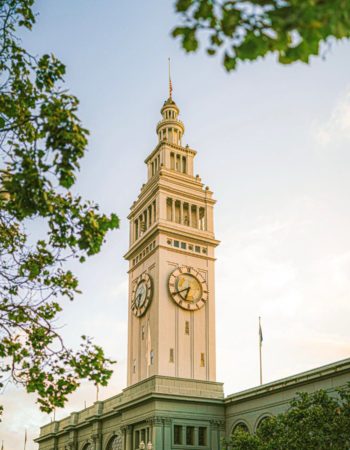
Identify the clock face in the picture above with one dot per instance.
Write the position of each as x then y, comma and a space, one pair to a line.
141, 295
188, 288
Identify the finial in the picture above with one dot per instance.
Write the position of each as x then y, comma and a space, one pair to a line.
170, 83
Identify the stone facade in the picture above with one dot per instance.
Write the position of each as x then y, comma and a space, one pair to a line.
173, 400
160, 409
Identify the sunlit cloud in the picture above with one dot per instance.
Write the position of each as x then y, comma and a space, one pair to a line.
337, 127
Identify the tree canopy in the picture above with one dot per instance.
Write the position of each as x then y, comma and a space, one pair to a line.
41, 142
245, 30
316, 421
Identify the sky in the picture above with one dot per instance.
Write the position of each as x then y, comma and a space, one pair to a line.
273, 145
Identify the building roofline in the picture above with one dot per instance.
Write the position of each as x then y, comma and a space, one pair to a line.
309, 376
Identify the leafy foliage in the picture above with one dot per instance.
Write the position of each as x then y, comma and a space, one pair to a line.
316, 421
249, 29
41, 144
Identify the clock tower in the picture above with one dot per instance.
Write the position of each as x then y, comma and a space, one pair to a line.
171, 258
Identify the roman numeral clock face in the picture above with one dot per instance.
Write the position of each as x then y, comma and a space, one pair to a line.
188, 288
141, 295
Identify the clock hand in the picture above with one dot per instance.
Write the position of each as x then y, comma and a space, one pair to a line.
188, 290
182, 290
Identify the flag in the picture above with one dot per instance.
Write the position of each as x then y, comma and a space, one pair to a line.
260, 333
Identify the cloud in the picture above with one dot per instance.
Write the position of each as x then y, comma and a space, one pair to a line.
292, 269
336, 128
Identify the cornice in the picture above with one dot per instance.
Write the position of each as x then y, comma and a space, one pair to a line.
198, 236
187, 150
294, 381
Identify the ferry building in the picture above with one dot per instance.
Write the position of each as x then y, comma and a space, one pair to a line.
173, 400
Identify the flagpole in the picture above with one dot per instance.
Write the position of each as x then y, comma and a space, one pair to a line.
170, 83
25, 439
260, 349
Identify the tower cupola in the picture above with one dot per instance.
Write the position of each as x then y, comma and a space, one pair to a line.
170, 128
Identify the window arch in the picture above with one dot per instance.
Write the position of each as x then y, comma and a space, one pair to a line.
115, 443
87, 446
261, 420
240, 426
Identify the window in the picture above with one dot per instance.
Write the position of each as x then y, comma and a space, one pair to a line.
187, 327
183, 245
151, 357
88, 447
177, 434
171, 355
134, 366
202, 218
115, 443
240, 426
202, 436
189, 435
143, 332
202, 360
169, 209
143, 434
177, 218
197, 249
136, 229
184, 164
176, 244
178, 163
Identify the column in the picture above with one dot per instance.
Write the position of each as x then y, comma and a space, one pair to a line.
190, 215
217, 433
157, 434
128, 437
214, 435
167, 433
197, 217
96, 438
173, 210
145, 219
181, 212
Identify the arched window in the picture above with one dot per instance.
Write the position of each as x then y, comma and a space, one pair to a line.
88, 446
115, 443
260, 421
240, 426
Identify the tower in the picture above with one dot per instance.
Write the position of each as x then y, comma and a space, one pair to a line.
171, 318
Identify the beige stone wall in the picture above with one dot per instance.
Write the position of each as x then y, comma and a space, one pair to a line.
180, 200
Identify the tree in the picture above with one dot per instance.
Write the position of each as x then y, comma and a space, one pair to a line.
316, 421
41, 144
248, 29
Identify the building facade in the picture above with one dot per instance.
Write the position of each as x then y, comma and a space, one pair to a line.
172, 399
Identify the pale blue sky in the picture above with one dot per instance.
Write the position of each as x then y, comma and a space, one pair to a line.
273, 145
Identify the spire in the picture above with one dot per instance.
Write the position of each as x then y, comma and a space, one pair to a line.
170, 83
170, 128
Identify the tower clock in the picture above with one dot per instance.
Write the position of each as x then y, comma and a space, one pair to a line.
171, 264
